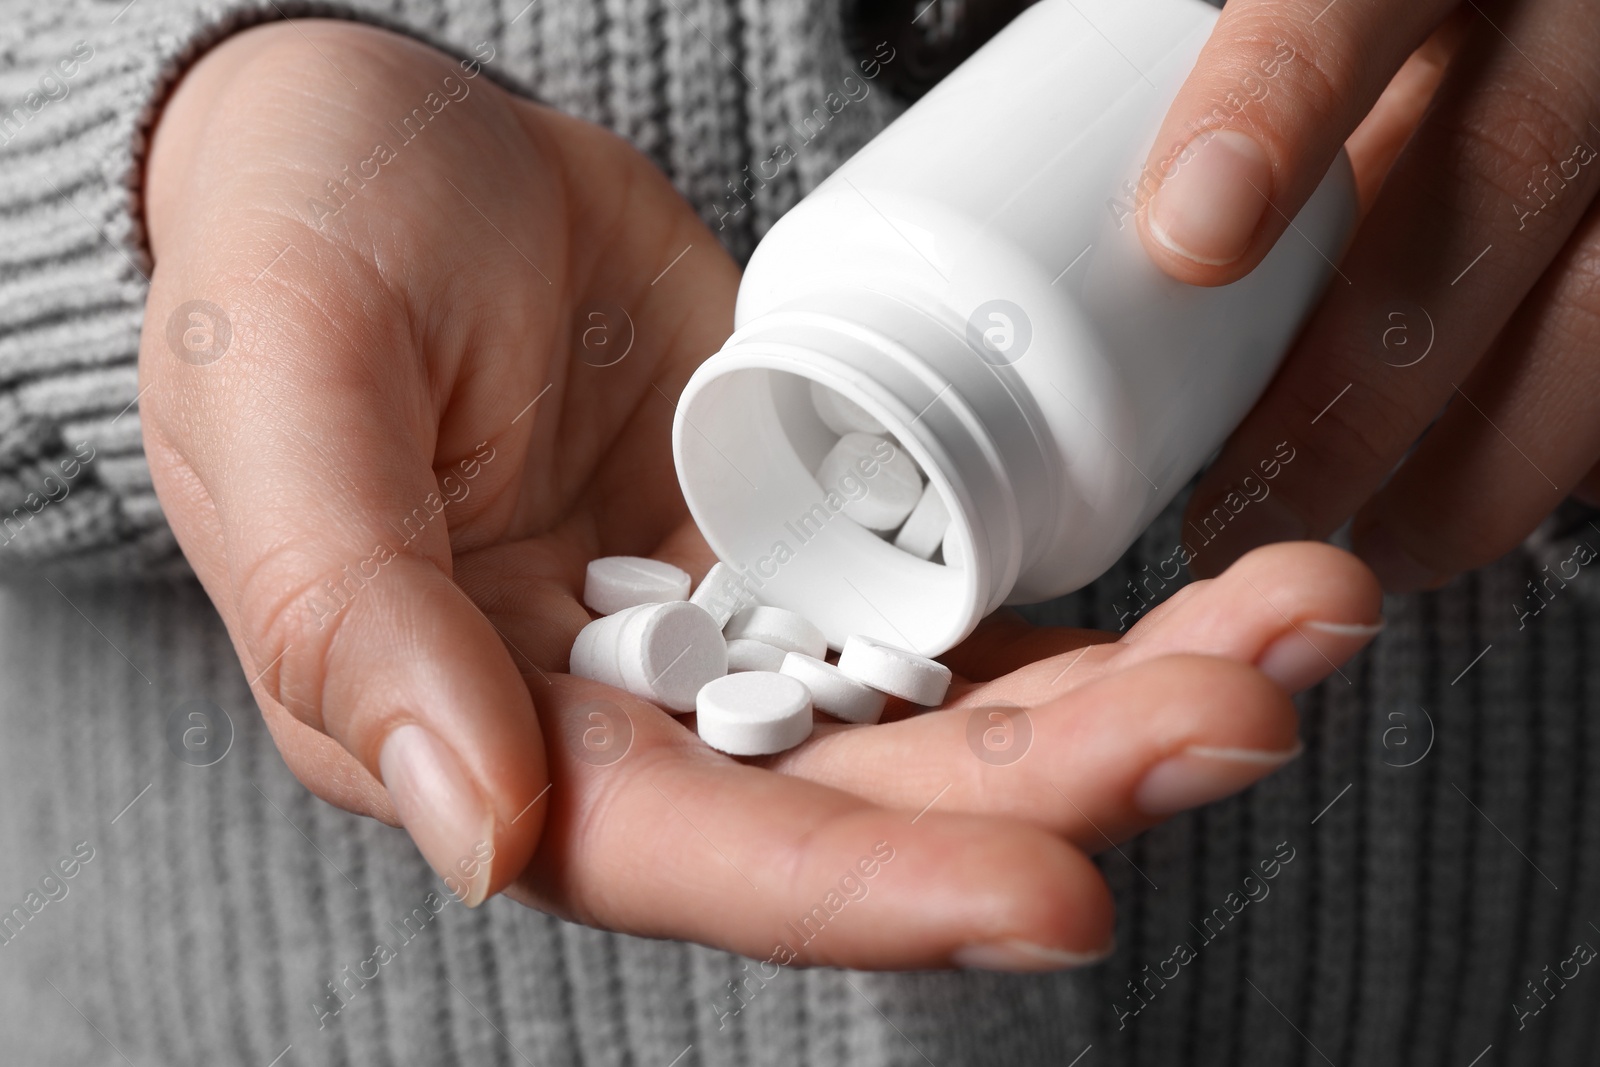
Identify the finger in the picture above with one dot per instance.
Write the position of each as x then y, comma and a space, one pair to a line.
1457, 239
1277, 89
335, 586
1296, 611
660, 837
1521, 434
304, 477
325, 767
1096, 764
1374, 145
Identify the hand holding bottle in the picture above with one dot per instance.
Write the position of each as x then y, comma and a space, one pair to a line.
1469, 289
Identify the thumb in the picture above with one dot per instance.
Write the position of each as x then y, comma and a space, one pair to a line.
1277, 89
302, 454
299, 477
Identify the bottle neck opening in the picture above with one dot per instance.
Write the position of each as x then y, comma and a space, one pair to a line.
750, 447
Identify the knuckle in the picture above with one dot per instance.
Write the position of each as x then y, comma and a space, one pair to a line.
1514, 138
1183, 595
601, 820
1343, 456
1570, 322
1230, 682
290, 615
1268, 57
1364, 433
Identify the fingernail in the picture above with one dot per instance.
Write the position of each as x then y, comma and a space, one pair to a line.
1397, 570
1219, 536
1303, 657
1208, 210
1024, 956
440, 807
1200, 774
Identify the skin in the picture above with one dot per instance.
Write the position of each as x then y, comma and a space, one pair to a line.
1448, 112
377, 350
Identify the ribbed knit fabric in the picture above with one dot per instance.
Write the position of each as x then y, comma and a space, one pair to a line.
1444, 832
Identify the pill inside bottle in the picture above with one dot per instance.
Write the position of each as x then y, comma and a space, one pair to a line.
808, 517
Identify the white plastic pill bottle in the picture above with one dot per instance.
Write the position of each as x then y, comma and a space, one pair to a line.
973, 278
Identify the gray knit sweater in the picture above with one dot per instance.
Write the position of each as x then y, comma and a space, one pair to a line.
1437, 881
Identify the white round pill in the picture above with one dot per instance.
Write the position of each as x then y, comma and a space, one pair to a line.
594, 653
834, 691
780, 627
878, 481
746, 654
894, 670
661, 652
754, 713
842, 414
925, 527
616, 582
721, 593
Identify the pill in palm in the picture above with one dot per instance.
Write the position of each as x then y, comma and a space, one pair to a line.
841, 414
834, 691
616, 582
754, 713
721, 593
661, 652
894, 670
745, 654
924, 529
888, 479
780, 627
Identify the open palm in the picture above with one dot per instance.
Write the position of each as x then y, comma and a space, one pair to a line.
449, 384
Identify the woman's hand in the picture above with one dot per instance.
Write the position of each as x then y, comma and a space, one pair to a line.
1054, 744
1470, 287
449, 385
